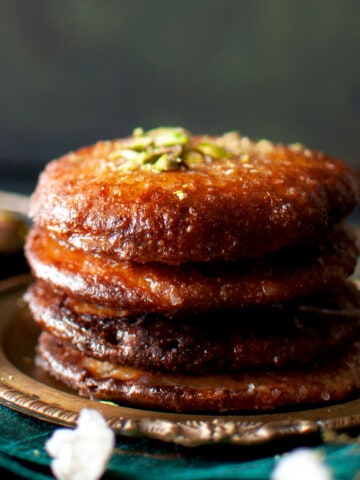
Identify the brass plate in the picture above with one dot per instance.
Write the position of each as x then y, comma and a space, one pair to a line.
26, 389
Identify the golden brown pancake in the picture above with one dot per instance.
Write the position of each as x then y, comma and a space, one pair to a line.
201, 287
299, 332
166, 196
328, 381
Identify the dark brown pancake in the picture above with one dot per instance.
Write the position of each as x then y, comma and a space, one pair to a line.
329, 381
242, 199
275, 335
193, 288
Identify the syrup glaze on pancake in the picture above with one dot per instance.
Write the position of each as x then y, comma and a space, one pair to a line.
331, 380
216, 198
197, 273
171, 290
302, 331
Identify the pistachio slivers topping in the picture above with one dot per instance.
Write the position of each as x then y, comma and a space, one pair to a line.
139, 143
164, 149
212, 150
167, 137
173, 148
192, 159
169, 159
160, 149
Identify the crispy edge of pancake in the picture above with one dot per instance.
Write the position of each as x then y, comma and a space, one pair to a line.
302, 331
192, 287
264, 390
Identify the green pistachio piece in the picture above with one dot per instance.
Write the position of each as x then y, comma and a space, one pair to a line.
169, 136
131, 159
169, 158
149, 156
193, 158
171, 148
212, 150
166, 162
128, 166
115, 155
130, 155
139, 143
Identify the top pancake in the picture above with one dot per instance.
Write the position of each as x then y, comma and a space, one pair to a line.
169, 197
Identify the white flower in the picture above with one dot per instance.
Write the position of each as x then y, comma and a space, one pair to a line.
81, 453
302, 463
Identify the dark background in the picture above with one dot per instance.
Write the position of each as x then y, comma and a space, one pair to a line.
72, 72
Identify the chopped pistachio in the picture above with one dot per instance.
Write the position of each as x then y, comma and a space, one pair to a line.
148, 156
169, 136
212, 150
125, 154
172, 148
128, 166
166, 162
132, 159
139, 143
192, 159
115, 154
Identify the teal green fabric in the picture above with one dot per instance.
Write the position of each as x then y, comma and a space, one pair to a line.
22, 455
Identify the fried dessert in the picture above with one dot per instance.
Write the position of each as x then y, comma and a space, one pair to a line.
165, 196
189, 287
197, 273
256, 389
267, 336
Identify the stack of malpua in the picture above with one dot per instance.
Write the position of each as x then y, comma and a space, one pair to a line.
197, 273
